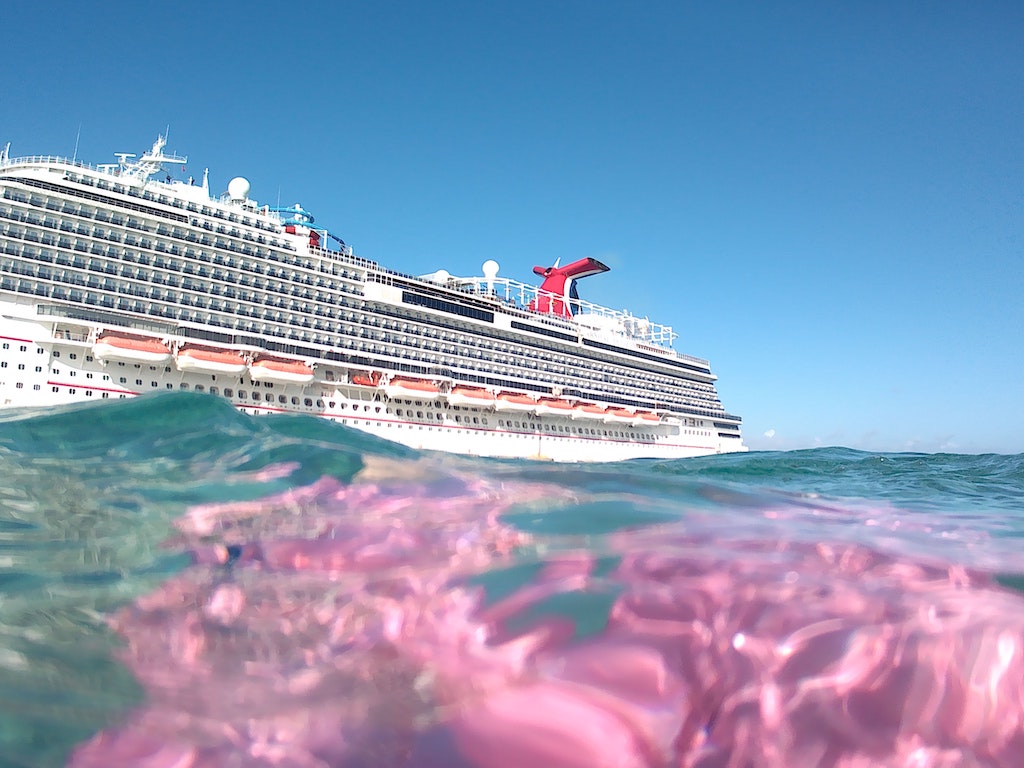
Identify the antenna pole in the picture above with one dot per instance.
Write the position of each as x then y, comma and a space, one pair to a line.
74, 157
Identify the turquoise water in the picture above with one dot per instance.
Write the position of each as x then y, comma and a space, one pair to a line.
107, 511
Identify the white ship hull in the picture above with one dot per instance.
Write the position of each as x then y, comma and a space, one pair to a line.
45, 371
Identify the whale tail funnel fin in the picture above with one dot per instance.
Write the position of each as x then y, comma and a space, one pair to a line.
559, 286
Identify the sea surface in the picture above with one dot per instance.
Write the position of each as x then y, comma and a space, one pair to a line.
184, 585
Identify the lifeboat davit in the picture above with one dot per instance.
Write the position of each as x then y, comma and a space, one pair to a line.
471, 396
285, 371
133, 349
619, 416
411, 388
210, 360
553, 406
365, 378
589, 411
510, 401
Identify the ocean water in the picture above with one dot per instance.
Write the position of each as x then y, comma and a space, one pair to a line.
184, 585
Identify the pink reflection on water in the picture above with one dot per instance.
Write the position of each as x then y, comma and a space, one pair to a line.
333, 625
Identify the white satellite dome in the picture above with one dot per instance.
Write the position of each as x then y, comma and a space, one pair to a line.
490, 269
238, 188
440, 276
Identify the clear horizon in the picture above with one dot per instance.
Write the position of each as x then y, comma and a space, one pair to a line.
825, 202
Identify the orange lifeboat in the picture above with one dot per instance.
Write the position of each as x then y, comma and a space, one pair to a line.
471, 396
553, 406
411, 388
210, 360
589, 411
511, 401
646, 418
285, 371
365, 378
619, 416
136, 349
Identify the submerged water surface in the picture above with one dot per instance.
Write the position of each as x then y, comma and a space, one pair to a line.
184, 585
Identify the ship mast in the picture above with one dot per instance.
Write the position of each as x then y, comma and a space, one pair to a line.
149, 163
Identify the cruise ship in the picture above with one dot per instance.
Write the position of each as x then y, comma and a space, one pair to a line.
121, 279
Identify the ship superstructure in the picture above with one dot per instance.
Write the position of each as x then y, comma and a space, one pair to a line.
117, 280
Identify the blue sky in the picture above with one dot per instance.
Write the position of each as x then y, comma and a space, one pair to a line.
826, 200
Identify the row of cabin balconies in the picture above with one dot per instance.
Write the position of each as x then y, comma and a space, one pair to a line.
547, 366
616, 376
355, 338
304, 269
256, 266
147, 194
